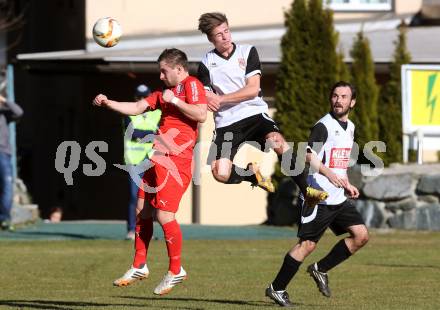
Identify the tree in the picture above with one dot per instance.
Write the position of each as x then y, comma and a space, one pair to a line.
390, 116
325, 58
342, 70
293, 83
364, 114
309, 67
307, 70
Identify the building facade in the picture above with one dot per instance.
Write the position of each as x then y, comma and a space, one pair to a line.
56, 89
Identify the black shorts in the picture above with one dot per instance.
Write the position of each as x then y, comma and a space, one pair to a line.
252, 130
314, 221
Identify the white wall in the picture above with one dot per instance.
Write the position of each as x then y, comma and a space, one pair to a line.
155, 17
143, 16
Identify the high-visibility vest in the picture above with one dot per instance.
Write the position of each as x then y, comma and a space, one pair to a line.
134, 151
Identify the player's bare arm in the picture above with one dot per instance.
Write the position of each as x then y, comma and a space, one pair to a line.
250, 91
126, 108
195, 112
317, 165
335, 179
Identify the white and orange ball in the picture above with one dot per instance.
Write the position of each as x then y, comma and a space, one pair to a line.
107, 31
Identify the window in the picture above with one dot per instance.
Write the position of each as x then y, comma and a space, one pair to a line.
359, 5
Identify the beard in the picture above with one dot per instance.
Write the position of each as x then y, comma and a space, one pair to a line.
340, 113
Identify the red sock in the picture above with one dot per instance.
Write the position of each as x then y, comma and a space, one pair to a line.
173, 238
144, 232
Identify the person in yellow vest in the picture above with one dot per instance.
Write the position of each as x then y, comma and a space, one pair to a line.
136, 150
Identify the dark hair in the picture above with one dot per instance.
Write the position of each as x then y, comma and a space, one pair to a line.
344, 84
209, 21
173, 57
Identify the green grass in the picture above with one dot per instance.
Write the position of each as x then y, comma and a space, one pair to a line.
396, 270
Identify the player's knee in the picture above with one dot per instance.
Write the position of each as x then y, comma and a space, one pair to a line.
164, 217
221, 171
273, 140
159, 218
277, 142
364, 239
220, 178
361, 239
308, 246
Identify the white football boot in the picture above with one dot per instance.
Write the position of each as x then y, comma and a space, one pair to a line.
132, 275
169, 281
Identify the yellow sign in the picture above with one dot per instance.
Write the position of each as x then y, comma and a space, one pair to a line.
425, 98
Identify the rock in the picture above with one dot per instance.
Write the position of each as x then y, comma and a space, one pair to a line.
404, 205
21, 195
357, 178
373, 213
24, 214
390, 187
426, 217
428, 199
403, 220
23, 211
412, 168
429, 184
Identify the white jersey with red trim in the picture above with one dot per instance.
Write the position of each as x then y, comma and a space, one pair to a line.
334, 154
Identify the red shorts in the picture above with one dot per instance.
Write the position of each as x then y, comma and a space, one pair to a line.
165, 183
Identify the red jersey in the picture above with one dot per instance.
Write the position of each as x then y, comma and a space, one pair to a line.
180, 140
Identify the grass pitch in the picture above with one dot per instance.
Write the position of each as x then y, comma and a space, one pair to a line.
396, 270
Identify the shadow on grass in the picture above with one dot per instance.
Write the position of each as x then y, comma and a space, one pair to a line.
55, 304
218, 301
57, 234
268, 303
74, 305
405, 266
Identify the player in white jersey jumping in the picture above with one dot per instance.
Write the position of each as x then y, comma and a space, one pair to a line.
330, 144
231, 75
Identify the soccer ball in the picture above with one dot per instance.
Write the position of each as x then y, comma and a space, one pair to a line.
107, 32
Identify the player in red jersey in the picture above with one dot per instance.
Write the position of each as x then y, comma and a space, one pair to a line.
183, 105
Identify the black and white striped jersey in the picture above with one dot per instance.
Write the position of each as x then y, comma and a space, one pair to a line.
227, 75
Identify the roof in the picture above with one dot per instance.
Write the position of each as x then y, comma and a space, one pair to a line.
143, 51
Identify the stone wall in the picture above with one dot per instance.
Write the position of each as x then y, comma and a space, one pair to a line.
23, 211
401, 197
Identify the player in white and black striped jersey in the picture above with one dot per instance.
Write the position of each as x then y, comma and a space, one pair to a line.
231, 75
330, 145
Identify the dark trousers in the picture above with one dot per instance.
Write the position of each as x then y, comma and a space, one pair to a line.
6, 187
